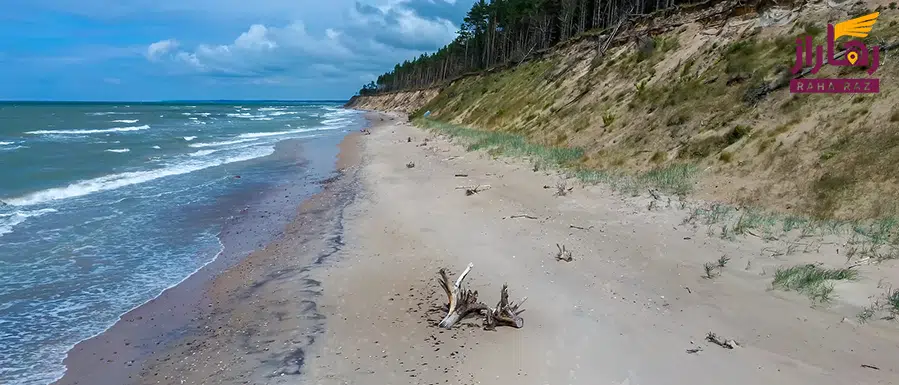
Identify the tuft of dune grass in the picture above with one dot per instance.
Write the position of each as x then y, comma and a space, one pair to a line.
812, 280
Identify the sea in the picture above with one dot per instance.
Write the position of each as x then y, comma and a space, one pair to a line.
105, 205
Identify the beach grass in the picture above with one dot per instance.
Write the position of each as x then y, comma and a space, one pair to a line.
677, 178
812, 280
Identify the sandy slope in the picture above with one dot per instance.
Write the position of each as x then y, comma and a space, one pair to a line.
623, 312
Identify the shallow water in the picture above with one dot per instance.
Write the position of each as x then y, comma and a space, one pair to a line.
106, 205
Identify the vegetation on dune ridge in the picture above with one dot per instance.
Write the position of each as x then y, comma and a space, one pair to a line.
500, 32
678, 98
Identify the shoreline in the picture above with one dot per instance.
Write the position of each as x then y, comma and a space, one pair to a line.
151, 327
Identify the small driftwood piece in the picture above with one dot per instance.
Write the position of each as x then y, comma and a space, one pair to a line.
461, 301
505, 313
563, 255
469, 190
410, 164
523, 216
580, 227
562, 188
724, 343
409, 140
461, 175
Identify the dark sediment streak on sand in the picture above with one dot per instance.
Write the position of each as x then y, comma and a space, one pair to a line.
242, 318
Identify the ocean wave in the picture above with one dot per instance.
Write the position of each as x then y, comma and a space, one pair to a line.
202, 152
189, 138
12, 148
271, 109
8, 221
276, 133
282, 113
157, 147
115, 181
335, 112
6, 143
246, 115
110, 113
335, 121
216, 144
126, 121
118, 150
84, 132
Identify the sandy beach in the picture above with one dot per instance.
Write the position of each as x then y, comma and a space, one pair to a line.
626, 310
348, 293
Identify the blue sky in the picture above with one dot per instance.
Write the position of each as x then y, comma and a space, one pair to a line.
212, 49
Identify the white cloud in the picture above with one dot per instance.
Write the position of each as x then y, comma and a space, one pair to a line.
331, 55
160, 48
372, 42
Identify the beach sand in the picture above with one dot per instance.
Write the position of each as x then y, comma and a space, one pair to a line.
624, 311
348, 293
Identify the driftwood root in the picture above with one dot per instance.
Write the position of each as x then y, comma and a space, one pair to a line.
462, 302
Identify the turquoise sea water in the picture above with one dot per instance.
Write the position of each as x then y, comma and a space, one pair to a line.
103, 207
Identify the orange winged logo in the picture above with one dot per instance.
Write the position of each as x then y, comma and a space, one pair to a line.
857, 27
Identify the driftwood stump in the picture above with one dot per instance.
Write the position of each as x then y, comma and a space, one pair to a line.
505, 314
462, 302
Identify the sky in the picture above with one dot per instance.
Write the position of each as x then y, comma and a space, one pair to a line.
146, 50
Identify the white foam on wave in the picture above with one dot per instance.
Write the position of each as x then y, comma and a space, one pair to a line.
126, 121
335, 121
216, 144
157, 147
6, 143
118, 150
110, 113
115, 181
335, 112
246, 115
64, 352
202, 152
8, 221
277, 133
189, 138
271, 109
282, 113
85, 132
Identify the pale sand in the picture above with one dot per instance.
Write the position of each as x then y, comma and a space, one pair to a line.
623, 312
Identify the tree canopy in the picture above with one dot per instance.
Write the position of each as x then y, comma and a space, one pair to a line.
497, 32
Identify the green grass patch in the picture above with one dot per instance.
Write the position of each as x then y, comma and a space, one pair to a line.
811, 280
503, 143
675, 178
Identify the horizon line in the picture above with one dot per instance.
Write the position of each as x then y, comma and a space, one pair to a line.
166, 100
